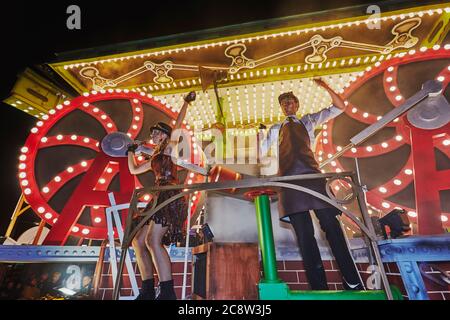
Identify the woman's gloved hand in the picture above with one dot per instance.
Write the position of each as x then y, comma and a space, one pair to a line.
132, 148
190, 97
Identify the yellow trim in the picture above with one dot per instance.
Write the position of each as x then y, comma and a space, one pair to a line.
30, 80
440, 35
260, 33
70, 79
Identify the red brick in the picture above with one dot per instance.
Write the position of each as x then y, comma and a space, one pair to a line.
435, 296
99, 295
294, 265
426, 267
445, 266
446, 296
328, 265
126, 282
126, 292
280, 266
299, 286
178, 280
433, 286
391, 267
288, 276
339, 286
107, 294
332, 286
302, 276
178, 267
398, 282
106, 282
333, 276
178, 292
364, 276
362, 266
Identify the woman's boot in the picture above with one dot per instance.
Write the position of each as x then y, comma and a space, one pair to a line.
166, 291
147, 291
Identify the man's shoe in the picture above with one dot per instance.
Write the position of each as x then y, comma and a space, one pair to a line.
349, 286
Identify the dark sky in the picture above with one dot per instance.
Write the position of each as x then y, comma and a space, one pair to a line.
33, 31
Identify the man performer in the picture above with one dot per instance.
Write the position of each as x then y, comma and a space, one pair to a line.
295, 139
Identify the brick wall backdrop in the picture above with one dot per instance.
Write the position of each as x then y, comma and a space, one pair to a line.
291, 272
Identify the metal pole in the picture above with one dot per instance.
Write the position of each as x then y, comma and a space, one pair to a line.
99, 268
123, 255
383, 275
362, 207
373, 246
39, 232
358, 174
186, 249
265, 236
14, 216
80, 242
341, 224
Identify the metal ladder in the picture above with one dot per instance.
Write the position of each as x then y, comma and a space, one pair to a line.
113, 217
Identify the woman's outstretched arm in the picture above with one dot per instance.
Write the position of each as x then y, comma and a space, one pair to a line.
189, 98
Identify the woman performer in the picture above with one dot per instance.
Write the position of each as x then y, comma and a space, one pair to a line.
165, 226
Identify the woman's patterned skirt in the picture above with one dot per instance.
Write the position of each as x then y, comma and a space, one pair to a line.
172, 215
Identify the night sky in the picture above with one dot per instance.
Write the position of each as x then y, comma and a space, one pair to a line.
33, 31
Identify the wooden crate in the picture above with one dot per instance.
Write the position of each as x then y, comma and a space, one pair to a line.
225, 271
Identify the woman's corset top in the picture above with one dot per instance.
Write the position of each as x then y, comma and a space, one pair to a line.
164, 176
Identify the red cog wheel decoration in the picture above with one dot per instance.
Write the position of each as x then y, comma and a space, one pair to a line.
386, 159
66, 177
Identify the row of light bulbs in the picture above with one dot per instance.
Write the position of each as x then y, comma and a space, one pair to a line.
259, 102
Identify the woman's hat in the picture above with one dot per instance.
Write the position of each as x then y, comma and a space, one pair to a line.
161, 126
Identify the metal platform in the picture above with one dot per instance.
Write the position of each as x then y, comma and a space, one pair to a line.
41, 254
408, 252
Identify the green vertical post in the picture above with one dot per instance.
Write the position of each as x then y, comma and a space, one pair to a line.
265, 237
220, 144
